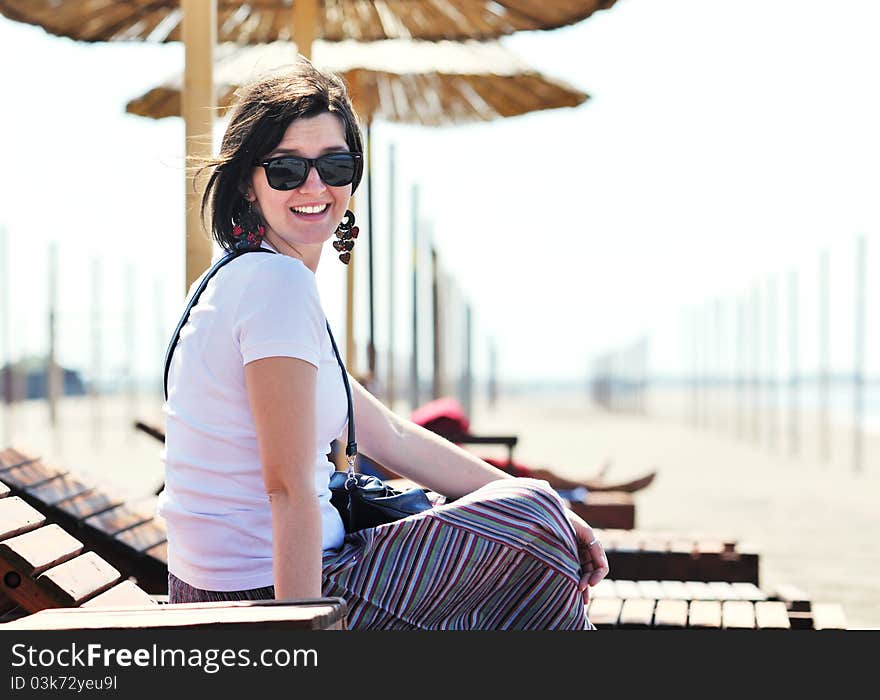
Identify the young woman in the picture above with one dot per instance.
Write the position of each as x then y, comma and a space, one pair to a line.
255, 396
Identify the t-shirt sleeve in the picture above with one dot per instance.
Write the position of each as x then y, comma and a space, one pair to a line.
279, 314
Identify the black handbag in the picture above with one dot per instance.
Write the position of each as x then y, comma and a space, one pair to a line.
363, 501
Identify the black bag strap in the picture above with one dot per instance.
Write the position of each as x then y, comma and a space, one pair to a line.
351, 447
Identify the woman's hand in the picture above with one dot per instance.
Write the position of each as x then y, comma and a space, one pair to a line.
594, 563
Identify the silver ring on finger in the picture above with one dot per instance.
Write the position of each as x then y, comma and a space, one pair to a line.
594, 541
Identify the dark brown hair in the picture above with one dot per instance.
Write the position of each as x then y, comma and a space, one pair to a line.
262, 112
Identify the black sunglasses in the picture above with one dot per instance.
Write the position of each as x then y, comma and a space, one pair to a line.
289, 172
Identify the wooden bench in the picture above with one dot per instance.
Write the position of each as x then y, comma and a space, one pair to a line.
646, 555
622, 604
129, 540
312, 614
607, 509
42, 566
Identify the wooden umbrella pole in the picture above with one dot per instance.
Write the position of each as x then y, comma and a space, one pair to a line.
350, 350
199, 27
371, 345
305, 25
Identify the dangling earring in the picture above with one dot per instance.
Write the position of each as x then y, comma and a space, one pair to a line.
346, 232
249, 230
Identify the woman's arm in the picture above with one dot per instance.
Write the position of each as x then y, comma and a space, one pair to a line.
281, 393
414, 452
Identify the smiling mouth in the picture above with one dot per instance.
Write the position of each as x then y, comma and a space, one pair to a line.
310, 210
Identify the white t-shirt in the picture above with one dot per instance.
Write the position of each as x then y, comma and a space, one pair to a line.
215, 502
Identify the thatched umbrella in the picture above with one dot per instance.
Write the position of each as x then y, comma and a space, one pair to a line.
199, 23
414, 82
411, 82
263, 21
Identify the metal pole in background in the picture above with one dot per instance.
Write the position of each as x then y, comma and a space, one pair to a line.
824, 359
693, 364
741, 310
436, 378
52, 383
772, 369
414, 363
130, 346
718, 379
391, 384
859, 374
5, 357
756, 364
493, 374
794, 370
468, 390
94, 384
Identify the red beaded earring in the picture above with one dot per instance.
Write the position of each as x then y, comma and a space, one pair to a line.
346, 232
249, 229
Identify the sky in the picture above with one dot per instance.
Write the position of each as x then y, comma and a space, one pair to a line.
725, 145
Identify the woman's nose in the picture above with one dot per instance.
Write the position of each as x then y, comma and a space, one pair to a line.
313, 182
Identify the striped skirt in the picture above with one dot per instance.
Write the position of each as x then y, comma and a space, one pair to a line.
502, 557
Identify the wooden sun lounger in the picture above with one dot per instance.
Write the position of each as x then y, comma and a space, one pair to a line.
645, 555
42, 566
621, 604
130, 540
312, 614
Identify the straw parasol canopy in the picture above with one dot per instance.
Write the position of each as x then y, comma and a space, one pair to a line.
413, 82
264, 21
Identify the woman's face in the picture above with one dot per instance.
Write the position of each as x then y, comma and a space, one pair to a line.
309, 214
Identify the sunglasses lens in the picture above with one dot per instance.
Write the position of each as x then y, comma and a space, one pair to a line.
286, 173
336, 169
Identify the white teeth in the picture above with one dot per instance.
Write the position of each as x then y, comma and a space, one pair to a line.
310, 210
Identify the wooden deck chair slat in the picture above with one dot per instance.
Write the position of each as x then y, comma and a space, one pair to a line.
722, 590
627, 589
317, 614
17, 517
75, 581
30, 474
828, 616
637, 613
87, 504
604, 589
748, 591
699, 590
650, 589
605, 612
114, 521
125, 593
675, 590
143, 537
53, 492
671, 614
771, 615
10, 457
33, 552
738, 614
705, 614
6, 604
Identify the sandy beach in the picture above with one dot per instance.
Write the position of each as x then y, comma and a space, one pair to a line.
814, 524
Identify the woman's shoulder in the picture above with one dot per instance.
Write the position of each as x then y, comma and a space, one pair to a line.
268, 270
